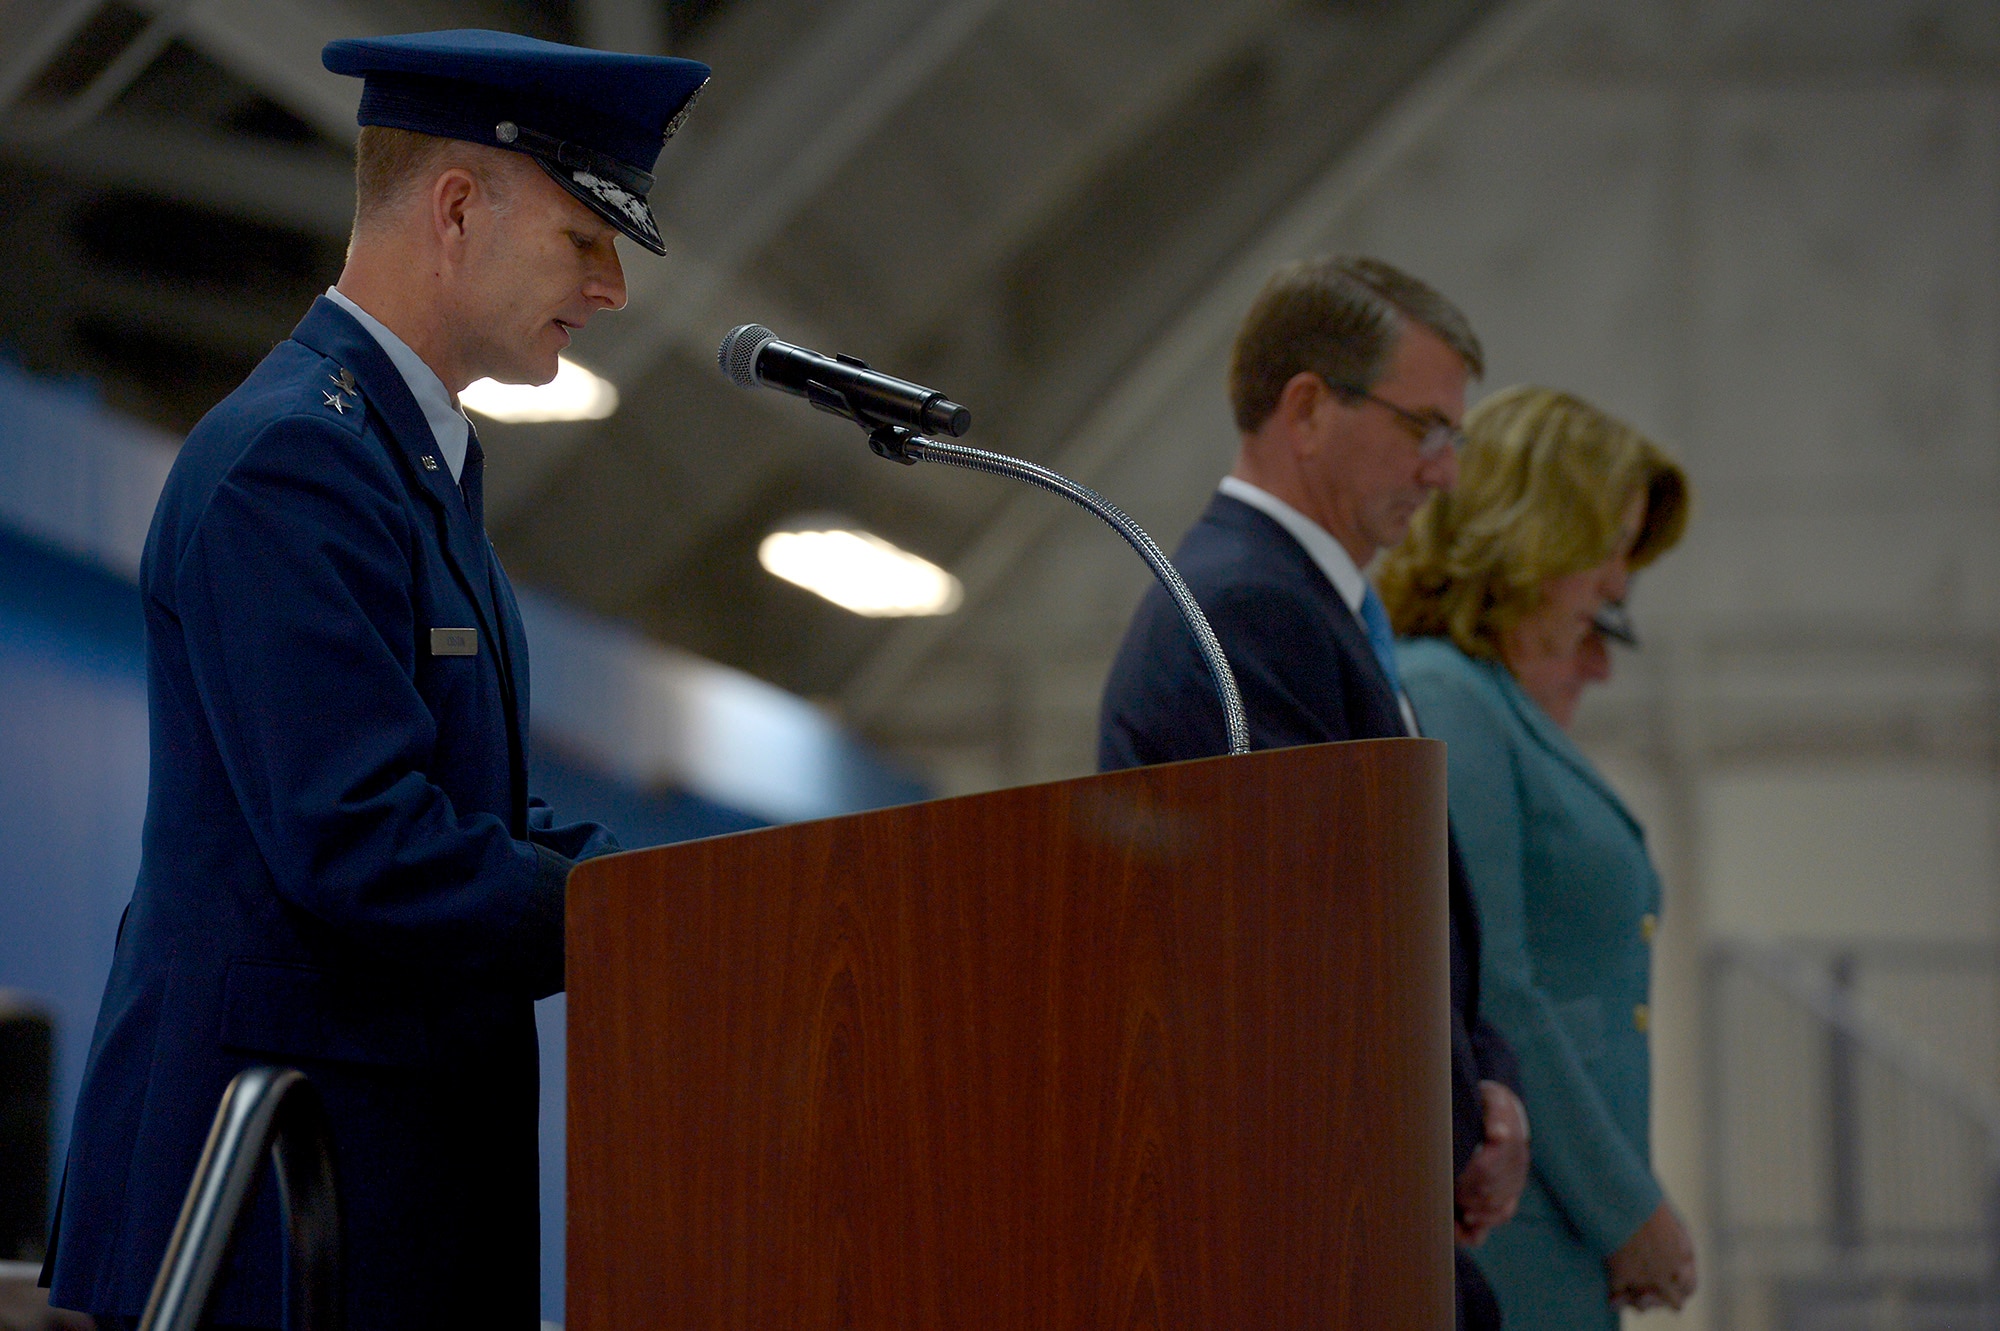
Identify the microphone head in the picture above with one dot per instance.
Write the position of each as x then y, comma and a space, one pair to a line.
738, 353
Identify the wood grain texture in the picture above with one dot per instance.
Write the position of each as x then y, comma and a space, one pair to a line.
1161, 1048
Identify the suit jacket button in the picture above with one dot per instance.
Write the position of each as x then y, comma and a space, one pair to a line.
1642, 1018
1649, 925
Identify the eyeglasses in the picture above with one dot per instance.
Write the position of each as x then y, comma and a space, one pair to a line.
1432, 432
1613, 621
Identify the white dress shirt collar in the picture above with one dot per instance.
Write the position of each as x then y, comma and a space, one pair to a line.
449, 427
1325, 550
1328, 553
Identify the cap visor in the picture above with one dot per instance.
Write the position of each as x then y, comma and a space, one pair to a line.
628, 212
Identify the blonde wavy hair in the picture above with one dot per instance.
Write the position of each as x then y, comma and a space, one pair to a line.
1543, 485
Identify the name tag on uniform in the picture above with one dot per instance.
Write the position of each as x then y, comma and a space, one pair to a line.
454, 642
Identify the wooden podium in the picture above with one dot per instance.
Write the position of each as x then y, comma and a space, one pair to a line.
1160, 1048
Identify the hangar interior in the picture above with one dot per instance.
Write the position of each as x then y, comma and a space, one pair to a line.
1767, 232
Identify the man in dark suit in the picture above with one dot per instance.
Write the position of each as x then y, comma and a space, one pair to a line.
342, 868
1347, 381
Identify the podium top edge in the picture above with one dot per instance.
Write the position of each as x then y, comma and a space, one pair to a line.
1288, 753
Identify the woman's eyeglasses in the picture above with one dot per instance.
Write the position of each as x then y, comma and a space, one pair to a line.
1613, 621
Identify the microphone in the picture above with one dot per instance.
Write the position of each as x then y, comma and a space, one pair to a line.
842, 385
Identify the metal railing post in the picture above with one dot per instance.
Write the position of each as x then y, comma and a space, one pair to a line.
1989, 1286
1843, 1109
1716, 969
264, 1110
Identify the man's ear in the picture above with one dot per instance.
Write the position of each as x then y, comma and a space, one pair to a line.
452, 195
1304, 396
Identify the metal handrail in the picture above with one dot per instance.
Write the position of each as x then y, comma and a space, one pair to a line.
1783, 968
1893, 1195
264, 1109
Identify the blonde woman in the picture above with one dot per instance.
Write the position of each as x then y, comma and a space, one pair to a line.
1502, 592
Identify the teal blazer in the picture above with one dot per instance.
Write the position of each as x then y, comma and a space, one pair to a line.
1568, 900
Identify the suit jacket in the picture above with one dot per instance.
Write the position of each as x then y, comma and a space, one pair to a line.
1569, 897
1307, 676
341, 868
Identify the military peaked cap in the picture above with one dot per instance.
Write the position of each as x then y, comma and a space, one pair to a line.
595, 120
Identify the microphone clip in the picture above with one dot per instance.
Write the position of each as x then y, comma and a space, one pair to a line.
897, 444
834, 402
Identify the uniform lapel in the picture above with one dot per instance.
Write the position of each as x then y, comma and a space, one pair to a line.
509, 651
333, 333
512, 645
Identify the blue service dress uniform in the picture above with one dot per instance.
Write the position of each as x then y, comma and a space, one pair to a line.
1568, 897
342, 868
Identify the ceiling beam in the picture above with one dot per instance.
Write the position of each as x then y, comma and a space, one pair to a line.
1044, 197
37, 31
776, 154
303, 191
274, 45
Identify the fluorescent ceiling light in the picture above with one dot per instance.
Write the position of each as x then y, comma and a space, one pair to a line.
575, 394
859, 571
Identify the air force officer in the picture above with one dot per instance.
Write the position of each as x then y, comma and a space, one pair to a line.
342, 867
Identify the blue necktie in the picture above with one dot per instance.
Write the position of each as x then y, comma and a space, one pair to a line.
1375, 619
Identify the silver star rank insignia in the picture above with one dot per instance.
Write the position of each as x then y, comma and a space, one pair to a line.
335, 401
346, 381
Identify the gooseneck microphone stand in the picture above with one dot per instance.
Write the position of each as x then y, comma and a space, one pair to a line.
908, 447
739, 358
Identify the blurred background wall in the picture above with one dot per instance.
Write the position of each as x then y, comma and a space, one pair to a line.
1765, 231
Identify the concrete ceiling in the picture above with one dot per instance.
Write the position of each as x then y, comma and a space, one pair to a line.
1013, 202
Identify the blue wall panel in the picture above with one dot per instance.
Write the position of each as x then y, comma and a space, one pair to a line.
72, 786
